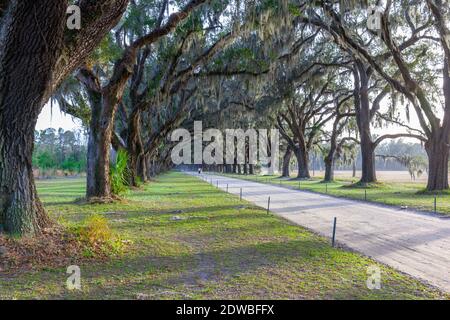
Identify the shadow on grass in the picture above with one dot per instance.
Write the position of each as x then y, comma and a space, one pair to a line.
365, 185
196, 270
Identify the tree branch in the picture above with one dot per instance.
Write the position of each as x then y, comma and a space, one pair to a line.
399, 135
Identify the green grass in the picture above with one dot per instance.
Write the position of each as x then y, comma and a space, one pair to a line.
221, 249
397, 194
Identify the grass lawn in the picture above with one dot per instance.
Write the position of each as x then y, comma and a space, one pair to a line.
390, 193
191, 241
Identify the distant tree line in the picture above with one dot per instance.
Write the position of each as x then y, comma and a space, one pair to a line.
59, 150
393, 155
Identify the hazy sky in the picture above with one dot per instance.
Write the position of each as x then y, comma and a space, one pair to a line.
54, 118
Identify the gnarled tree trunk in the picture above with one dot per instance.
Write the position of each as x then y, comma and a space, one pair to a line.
135, 149
31, 37
363, 119
98, 154
286, 162
21, 211
438, 156
368, 174
142, 168
329, 168
303, 163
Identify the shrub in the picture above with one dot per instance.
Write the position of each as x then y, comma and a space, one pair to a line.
46, 160
139, 182
95, 230
118, 173
100, 239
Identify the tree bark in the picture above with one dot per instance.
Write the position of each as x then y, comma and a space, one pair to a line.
31, 37
438, 156
303, 163
286, 162
368, 174
142, 168
21, 210
98, 154
363, 119
135, 148
330, 158
329, 167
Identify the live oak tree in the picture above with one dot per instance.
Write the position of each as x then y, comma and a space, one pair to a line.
105, 96
228, 58
343, 120
302, 119
38, 52
429, 27
167, 72
369, 91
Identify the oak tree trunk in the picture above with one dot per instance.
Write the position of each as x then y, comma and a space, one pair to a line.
21, 210
286, 162
135, 148
142, 168
438, 156
31, 38
437, 147
98, 154
363, 119
303, 163
329, 168
368, 174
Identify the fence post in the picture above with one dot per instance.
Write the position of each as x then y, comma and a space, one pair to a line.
435, 204
333, 239
268, 205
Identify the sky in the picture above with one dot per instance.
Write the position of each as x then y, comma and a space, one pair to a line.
54, 118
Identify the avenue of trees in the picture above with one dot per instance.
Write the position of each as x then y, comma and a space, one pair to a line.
136, 70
